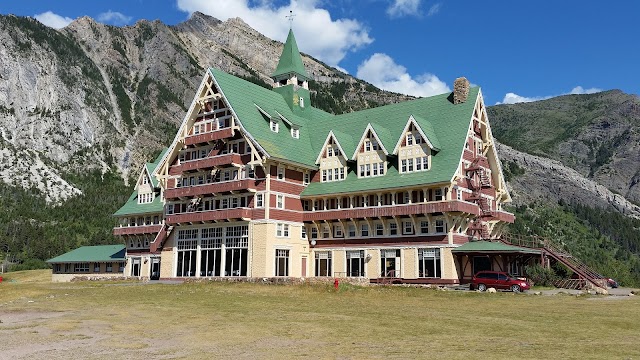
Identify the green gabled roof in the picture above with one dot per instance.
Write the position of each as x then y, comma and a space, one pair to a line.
444, 123
243, 96
290, 60
100, 253
131, 207
450, 122
492, 247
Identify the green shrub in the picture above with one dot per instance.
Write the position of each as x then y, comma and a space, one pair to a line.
540, 275
29, 264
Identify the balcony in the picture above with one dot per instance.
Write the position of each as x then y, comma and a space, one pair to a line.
393, 210
137, 230
503, 216
207, 216
209, 136
206, 163
212, 188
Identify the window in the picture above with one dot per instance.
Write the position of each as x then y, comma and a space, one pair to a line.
459, 195
429, 263
280, 201
295, 133
306, 178
145, 198
352, 230
145, 180
81, 267
301, 102
282, 262
440, 228
355, 263
280, 173
109, 267
314, 233
364, 230
379, 230
393, 228
407, 227
325, 232
303, 232
282, 230
337, 231
390, 263
121, 267
323, 263
409, 139
274, 126
96, 267
403, 168
424, 227
259, 200
438, 195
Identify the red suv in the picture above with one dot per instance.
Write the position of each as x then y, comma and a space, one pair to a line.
499, 280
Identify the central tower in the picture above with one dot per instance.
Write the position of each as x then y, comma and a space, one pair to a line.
290, 79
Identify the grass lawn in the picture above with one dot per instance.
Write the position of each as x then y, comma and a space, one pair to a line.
114, 320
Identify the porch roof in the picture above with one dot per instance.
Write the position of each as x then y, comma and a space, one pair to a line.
492, 247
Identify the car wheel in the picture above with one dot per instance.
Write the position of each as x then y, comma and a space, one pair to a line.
482, 287
515, 288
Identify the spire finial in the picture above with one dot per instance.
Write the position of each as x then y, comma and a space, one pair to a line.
290, 17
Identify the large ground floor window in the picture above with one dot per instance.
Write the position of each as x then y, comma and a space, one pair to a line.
429, 263
224, 251
323, 263
355, 263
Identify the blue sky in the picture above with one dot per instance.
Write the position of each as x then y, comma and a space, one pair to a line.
517, 51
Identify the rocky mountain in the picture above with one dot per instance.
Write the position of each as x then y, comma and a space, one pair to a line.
83, 107
93, 96
597, 135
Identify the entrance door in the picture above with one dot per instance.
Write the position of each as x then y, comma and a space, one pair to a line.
304, 267
155, 269
135, 267
390, 263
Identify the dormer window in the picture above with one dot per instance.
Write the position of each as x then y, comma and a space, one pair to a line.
145, 180
409, 139
301, 102
145, 198
295, 133
274, 126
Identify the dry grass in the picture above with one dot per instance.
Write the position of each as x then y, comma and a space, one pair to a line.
115, 320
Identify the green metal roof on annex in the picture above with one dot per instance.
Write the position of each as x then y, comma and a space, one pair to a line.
100, 253
492, 247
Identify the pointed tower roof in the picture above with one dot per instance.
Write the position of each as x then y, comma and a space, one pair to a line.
290, 60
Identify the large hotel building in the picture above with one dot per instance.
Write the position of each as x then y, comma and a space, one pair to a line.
259, 183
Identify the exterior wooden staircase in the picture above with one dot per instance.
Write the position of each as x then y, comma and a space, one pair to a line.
553, 250
160, 238
478, 228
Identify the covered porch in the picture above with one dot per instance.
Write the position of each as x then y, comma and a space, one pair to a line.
482, 255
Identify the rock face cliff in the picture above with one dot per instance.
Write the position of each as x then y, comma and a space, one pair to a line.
96, 96
92, 96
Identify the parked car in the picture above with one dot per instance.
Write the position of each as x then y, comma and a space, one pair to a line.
483, 280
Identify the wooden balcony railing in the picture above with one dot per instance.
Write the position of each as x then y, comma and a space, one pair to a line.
207, 216
393, 210
136, 230
206, 163
212, 188
208, 136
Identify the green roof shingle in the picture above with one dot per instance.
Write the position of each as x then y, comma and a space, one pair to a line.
100, 253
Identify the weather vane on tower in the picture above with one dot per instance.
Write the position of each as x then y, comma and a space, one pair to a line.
290, 17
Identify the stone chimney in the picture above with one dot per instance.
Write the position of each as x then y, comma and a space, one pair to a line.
460, 90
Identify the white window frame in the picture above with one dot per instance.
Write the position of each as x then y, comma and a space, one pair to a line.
259, 200
280, 174
274, 126
279, 201
295, 133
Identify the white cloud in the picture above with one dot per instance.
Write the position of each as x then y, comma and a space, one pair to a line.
511, 98
114, 18
53, 20
401, 8
434, 9
316, 32
382, 71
